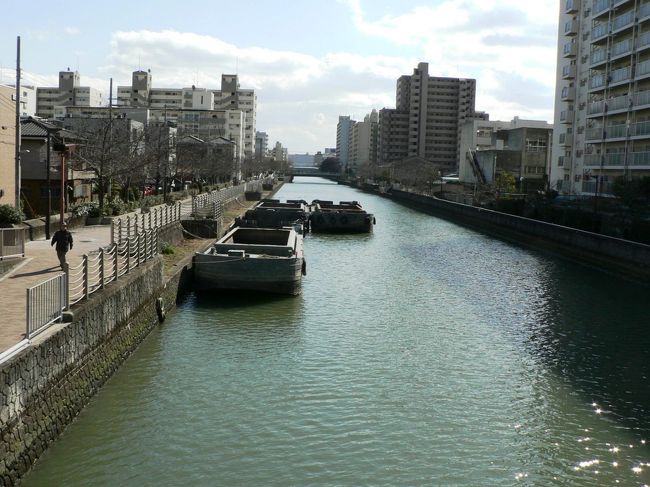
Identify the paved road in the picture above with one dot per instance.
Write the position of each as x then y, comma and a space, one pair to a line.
40, 264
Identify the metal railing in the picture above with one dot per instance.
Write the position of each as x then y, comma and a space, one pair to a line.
212, 204
45, 304
12, 242
105, 266
47, 300
133, 224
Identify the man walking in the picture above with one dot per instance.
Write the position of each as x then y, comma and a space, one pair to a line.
63, 240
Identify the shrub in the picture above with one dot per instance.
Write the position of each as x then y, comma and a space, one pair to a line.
167, 248
10, 215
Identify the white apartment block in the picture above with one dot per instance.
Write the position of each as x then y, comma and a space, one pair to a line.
602, 99
426, 121
362, 148
27, 99
343, 133
68, 93
168, 103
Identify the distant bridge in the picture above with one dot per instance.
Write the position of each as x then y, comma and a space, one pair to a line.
311, 171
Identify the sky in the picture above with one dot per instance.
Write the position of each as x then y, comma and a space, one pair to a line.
308, 60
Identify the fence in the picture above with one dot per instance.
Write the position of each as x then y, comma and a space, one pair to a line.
46, 301
159, 216
45, 304
12, 242
211, 205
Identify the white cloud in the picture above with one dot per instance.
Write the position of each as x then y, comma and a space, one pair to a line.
71, 30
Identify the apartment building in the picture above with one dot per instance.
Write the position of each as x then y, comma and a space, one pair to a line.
7, 146
68, 93
172, 104
602, 99
425, 124
362, 147
279, 153
261, 145
343, 133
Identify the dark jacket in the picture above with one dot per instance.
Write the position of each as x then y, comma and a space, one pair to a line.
63, 240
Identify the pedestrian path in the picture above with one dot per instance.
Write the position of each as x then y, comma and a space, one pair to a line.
40, 264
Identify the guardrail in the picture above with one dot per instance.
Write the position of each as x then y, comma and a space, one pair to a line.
211, 205
157, 217
45, 304
47, 301
12, 242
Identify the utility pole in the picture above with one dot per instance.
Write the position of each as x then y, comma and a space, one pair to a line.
18, 176
49, 189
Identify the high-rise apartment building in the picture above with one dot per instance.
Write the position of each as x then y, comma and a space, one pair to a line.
68, 93
427, 118
602, 99
362, 147
171, 104
261, 145
343, 132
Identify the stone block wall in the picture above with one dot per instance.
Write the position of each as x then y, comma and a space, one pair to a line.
44, 388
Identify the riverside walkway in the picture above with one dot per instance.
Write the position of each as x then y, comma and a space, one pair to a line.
39, 265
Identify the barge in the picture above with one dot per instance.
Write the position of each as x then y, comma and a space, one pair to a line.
271, 213
252, 259
347, 216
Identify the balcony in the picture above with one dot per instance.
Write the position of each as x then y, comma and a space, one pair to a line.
568, 93
570, 49
569, 71
623, 21
643, 42
564, 161
571, 6
599, 31
622, 48
600, 7
644, 12
571, 28
566, 116
566, 139
599, 56
615, 159
620, 75
640, 159
596, 81
642, 69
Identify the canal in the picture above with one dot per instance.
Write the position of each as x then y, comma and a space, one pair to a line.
422, 354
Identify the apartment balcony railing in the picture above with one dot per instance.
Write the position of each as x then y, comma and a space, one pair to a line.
568, 93
636, 101
619, 131
566, 139
564, 161
643, 41
597, 81
621, 74
642, 69
598, 56
570, 49
599, 31
644, 11
571, 28
600, 6
598, 160
566, 116
623, 21
621, 48
569, 71
571, 6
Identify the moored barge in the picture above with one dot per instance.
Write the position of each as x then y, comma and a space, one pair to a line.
344, 217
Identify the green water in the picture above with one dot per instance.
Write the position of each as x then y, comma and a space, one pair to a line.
422, 354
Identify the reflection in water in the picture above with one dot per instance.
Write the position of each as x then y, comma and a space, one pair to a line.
421, 354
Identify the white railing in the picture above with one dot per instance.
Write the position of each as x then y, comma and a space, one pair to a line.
157, 217
45, 304
108, 264
210, 205
47, 301
12, 242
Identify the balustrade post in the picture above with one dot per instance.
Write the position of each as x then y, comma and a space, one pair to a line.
86, 284
128, 255
128, 227
101, 267
146, 247
116, 263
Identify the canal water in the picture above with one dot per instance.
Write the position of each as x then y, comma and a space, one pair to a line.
422, 354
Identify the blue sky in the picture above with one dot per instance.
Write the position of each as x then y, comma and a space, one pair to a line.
308, 60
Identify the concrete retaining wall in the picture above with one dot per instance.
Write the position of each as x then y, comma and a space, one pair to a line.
613, 254
43, 388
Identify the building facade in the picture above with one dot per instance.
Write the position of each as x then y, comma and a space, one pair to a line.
68, 93
343, 133
602, 99
261, 145
364, 140
7, 146
426, 121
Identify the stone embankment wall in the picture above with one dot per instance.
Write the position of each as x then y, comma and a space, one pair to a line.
620, 256
44, 387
